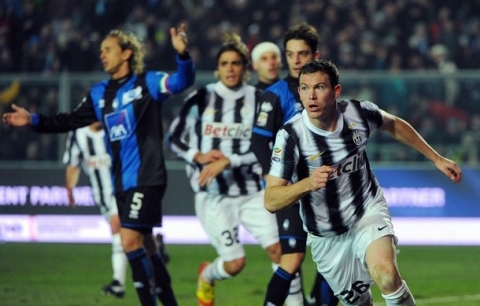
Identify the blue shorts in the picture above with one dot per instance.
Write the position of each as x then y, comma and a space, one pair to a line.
293, 238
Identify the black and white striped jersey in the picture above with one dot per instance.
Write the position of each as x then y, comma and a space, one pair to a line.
216, 117
301, 147
86, 148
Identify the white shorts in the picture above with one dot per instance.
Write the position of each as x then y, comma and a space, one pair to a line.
222, 215
341, 259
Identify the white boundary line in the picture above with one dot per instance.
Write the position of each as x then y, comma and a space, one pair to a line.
441, 300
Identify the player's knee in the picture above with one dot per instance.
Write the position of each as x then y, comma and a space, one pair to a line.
274, 252
291, 262
131, 240
387, 278
235, 266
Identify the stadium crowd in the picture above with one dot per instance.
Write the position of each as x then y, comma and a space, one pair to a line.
54, 36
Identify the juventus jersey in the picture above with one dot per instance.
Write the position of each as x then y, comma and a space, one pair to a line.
216, 117
86, 148
300, 147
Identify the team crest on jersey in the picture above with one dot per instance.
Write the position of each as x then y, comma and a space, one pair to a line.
357, 138
118, 125
131, 95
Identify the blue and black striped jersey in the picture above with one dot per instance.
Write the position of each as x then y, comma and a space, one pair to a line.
130, 112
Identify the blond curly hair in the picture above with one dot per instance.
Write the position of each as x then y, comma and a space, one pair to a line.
128, 40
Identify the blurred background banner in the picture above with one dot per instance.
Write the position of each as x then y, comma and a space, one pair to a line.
410, 192
427, 209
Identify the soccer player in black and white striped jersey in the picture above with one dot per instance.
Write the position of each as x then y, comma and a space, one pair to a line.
213, 135
341, 203
86, 149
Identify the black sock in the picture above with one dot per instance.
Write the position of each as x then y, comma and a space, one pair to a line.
163, 282
323, 293
278, 287
143, 276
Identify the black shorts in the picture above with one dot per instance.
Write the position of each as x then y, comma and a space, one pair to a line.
293, 239
140, 208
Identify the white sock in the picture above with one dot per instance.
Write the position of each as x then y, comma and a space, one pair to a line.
295, 295
215, 271
402, 296
119, 260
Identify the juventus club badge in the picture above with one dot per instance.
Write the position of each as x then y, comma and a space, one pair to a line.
357, 138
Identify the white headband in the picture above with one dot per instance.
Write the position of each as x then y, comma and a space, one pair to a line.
264, 47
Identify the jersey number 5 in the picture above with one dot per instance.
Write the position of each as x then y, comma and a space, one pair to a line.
136, 205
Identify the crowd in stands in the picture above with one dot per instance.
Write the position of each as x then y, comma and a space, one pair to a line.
53, 36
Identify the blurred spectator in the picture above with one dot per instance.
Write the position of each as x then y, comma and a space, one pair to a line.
51, 37
446, 67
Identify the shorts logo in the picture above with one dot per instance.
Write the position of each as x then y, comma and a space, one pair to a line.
292, 242
118, 125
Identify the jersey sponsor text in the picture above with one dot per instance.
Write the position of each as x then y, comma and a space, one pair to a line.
222, 130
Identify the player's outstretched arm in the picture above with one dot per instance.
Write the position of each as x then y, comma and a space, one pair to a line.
403, 132
19, 116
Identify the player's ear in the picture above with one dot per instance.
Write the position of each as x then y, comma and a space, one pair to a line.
127, 53
337, 90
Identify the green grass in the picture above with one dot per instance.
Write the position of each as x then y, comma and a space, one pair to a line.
72, 274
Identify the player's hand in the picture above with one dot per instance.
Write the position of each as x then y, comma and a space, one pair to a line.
209, 157
179, 39
450, 168
19, 116
210, 171
319, 177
